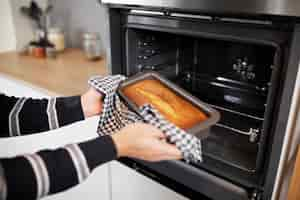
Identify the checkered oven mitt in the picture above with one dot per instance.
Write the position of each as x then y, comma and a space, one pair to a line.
115, 115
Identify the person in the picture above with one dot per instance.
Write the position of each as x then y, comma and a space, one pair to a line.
34, 176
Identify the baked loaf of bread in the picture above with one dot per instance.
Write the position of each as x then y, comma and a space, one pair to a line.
173, 107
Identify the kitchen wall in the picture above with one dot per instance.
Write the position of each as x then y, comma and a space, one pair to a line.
77, 16
16, 31
24, 28
73, 16
7, 30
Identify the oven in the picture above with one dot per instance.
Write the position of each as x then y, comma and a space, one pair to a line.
244, 66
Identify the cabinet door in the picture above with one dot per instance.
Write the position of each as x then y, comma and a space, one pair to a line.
127, 184
96, 186
16, 88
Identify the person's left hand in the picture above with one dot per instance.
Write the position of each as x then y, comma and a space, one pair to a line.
143, 141
91, 102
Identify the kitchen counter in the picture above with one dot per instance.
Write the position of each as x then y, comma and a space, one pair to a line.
65, 75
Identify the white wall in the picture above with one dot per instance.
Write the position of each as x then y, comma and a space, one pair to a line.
16, 30
24, 27
77, 16
7, 31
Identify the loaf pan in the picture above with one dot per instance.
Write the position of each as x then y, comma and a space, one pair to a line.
200, 130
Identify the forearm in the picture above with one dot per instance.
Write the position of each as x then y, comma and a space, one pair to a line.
22, 116
49, 172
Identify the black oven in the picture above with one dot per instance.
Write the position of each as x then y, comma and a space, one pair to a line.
243, 67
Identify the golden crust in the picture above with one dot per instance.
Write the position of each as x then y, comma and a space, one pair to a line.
173, 107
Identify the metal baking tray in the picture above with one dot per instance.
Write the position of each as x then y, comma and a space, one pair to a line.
200, 130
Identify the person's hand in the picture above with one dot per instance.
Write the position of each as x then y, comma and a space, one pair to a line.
91, 103
144, 142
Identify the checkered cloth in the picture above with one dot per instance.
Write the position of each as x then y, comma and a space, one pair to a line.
116, 115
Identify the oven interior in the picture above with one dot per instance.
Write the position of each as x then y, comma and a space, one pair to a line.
233, 76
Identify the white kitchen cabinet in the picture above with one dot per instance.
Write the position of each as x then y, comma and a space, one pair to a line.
128, 184
16, 88
96, 186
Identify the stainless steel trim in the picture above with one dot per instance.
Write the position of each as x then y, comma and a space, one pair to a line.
246, 21
236, 112
191, 16
146, 12
249, 7
291, 134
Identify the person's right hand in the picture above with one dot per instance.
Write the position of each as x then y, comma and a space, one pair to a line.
144, 142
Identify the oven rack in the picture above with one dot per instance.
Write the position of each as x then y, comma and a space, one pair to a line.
236, 112
252, 133
228, 83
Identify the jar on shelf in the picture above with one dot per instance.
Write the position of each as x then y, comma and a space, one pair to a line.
57, 38
92, 45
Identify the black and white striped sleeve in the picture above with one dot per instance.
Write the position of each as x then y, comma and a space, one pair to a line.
48, 172
22, 116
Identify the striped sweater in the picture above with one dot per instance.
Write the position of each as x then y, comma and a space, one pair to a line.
46, 172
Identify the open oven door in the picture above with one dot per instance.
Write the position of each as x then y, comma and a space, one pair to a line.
185, 178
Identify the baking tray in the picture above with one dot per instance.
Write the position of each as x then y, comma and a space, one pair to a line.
200, 130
